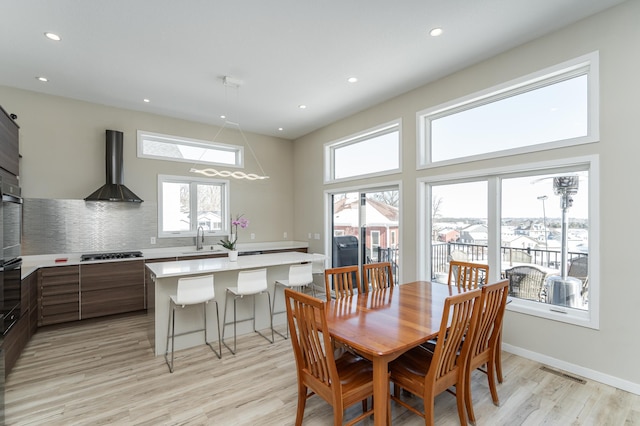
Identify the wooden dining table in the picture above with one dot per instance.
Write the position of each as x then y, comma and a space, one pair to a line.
381, 325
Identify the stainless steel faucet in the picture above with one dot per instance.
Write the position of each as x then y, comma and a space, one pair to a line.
199, 240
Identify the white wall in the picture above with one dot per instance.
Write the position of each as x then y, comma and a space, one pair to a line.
62, 143
609, 354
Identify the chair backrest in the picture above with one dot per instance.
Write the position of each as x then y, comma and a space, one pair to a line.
493, 302
459, 256
301, 274
467, 275
346, 280
311, 343
192, 290
454, 341
318, 266
377, 275
579, 268
526, 282
252, 281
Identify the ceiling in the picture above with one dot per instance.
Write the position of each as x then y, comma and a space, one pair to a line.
284, 53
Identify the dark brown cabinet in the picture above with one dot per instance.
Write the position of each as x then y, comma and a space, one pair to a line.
112, 288
14, 342
17, 338
8, 144
58, 294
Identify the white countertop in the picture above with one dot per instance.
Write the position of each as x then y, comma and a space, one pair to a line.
190, 267
32, 263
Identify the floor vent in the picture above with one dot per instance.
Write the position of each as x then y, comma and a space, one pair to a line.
565, 375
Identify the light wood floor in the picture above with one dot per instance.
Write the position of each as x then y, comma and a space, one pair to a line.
104, 372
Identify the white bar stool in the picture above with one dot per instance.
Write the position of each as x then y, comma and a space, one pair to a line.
250, 283
300, 276
192, 291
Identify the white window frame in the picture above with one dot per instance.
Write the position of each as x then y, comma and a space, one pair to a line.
194, 223
143, 135
330, 148
586, 64
587, 318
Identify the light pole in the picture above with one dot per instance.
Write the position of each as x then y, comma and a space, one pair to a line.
544, 218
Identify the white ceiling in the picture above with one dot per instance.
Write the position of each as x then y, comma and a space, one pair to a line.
286, 52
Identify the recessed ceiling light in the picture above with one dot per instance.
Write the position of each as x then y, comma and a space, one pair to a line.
352, 79
302, 106
52, 36
42, 79
146, 100
223, 116
280, 129
435, 32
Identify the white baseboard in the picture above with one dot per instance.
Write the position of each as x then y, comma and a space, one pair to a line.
606, 379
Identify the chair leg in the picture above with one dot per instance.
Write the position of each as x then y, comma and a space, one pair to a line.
468, 399
492, 380
273, 312
460, 392
270, 317
171, 326
225, 323
302, 400
219, 352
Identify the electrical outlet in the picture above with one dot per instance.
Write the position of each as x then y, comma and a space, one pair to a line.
253, 236
153, 240
309, 235
316, 236
284, 235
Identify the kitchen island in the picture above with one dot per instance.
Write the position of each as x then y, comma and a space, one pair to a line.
166, 274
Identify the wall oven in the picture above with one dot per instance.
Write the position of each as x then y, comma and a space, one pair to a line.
11, 262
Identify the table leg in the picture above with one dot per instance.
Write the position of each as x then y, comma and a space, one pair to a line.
380, 390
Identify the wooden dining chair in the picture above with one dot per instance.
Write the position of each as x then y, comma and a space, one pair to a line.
427, 374
486, 341
345, 279
377, 276
466, 274
341, 381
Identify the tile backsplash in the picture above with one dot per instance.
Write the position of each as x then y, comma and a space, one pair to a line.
77, 226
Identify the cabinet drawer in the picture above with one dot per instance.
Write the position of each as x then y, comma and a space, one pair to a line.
113, 301
58, 314
47, 291
102, 276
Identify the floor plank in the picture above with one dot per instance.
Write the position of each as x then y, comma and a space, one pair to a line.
103, 372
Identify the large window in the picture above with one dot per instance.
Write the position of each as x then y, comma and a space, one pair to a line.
552, 108
174, 148
373, 152
185, 204
531, 224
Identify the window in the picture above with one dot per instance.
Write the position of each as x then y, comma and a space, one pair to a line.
174, 148
374, 152
531, 224
184, 204
549, 109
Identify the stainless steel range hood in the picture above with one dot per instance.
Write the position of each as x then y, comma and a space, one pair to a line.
114, 189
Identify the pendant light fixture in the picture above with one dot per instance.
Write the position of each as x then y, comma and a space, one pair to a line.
232, 83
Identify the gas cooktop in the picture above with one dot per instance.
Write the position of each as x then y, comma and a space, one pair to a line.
108, 256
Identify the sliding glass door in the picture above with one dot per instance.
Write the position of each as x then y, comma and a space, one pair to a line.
365, 227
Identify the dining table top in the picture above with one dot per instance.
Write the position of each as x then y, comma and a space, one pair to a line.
389, 321
383, 324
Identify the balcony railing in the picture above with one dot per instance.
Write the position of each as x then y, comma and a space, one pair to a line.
443, 252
